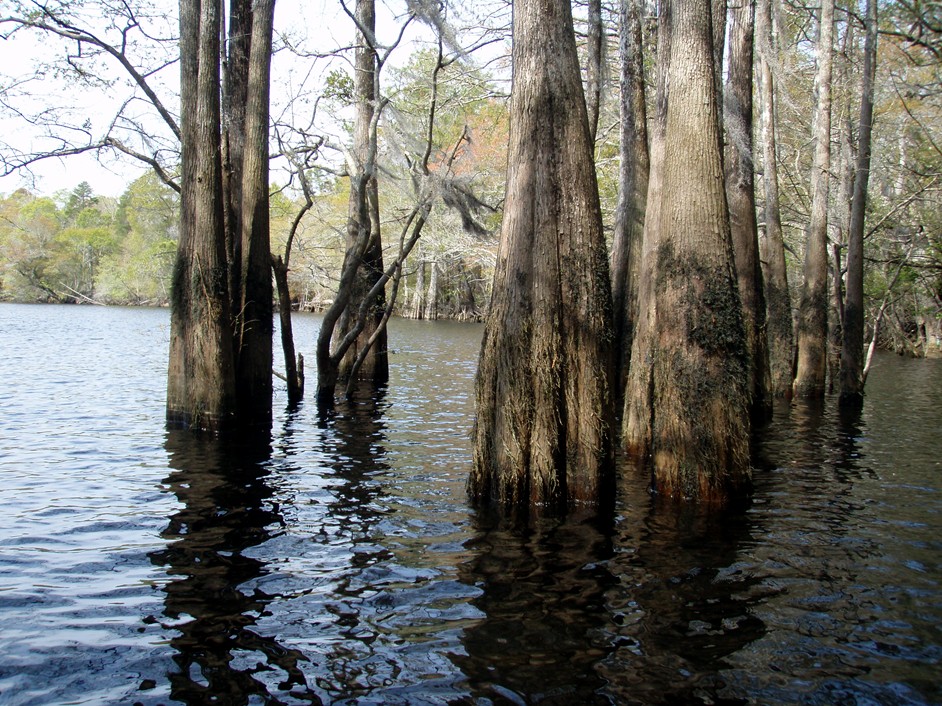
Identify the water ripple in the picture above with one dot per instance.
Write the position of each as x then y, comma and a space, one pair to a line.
341, 564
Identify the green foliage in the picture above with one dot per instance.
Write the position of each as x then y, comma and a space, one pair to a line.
88, 248
338, 87
138, 271
28, 228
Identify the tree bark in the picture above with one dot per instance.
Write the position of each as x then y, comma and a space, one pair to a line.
235, 88
200, 379
813, 306
542, 437
632, 191
220, 366
835, 314
697, 432
740, 192
852, 354
718, 20
363, 221
637, 412
781, 337
594, 42
254, 323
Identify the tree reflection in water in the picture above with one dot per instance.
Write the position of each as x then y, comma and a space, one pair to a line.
227, 508
683, 602
542, 597
354, 432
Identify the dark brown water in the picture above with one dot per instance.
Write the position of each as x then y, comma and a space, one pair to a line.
339, 562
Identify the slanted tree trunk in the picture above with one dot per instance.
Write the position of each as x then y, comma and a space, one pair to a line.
740, 192
813, 305
363, 215
201, 372
772, 244
351, 345
294, 362
852, 355
542, 436
697, 431
632, 191
367, 311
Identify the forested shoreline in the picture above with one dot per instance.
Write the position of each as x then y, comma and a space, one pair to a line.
79, 248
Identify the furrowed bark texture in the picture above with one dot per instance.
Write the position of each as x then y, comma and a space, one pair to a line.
200, 380
718, 24
637, 411
740, 193
235, 87
697, 435
542, 433
632, 191
813, 306
781, 336
255, 327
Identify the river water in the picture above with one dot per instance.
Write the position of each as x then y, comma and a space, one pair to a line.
340, 563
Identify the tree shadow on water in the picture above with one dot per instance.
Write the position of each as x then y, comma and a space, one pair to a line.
358, 663
227, 508
542, 605
684, 600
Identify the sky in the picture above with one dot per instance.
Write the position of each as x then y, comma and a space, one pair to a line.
320, 25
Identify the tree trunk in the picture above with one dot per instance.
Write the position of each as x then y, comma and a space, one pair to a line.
363, 221
542, 436
740, 192
254, 323
593, 72
632, 191
813, 305
775, 275
697, 434
835, 315
235, 90
418, 297
201, 378
842, 170
467, 306
637, 411
431, 297
852, 355
294, 366
718, 20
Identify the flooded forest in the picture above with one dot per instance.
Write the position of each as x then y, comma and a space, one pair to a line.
459, 352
